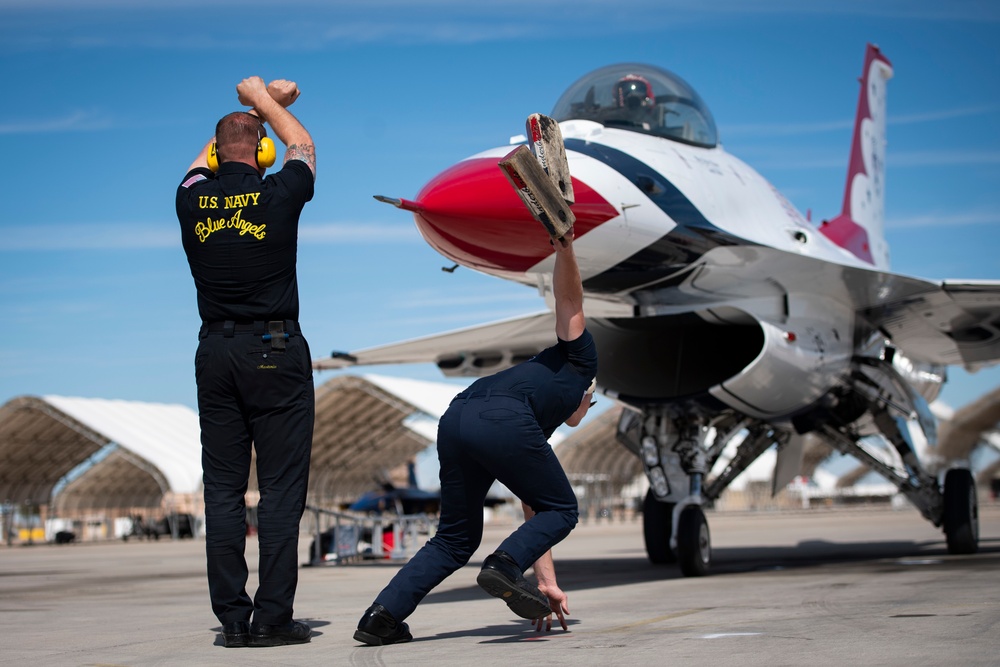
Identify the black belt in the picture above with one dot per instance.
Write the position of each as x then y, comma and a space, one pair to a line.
275, 332
259, 327
489, 393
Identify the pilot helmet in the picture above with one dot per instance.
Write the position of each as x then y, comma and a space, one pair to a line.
633, 91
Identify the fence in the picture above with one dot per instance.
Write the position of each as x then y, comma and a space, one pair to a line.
342, 538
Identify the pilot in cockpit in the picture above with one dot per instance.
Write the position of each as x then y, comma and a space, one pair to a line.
634, 96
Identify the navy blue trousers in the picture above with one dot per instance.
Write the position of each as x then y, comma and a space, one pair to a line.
479, 441
250, 395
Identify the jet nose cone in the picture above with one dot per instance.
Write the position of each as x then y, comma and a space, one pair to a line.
471, 214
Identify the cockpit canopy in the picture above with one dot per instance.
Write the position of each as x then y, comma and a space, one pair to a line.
641, 98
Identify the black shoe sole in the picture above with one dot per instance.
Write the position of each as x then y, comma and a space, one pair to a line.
262, 641
375, 640
522, 602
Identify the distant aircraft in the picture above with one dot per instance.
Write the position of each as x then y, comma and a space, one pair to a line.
722, 316
409, 499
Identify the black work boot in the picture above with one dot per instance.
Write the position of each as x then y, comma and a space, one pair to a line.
502, 578
378, 628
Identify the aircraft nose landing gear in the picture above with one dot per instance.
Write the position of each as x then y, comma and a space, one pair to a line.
677, 450
673, 455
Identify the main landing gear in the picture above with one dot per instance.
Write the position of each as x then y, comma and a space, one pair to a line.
677, 449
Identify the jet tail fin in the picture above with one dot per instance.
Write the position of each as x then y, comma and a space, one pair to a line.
860, 226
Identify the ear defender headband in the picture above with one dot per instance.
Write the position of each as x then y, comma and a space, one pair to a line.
266, 153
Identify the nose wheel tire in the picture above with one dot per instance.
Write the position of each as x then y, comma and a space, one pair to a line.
694, 543
961, 512
657, 522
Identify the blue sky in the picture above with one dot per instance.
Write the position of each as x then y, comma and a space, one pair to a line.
106, 103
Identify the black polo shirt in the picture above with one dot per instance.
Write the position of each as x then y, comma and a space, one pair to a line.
240, 234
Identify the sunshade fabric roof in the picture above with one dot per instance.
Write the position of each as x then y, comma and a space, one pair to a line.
43, 439
167, 436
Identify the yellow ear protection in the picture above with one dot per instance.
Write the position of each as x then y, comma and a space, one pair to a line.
213, 157
266, 153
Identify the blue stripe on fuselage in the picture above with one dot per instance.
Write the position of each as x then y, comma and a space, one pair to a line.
673, 252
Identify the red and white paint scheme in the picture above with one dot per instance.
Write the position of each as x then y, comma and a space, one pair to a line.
725, 321
860, 223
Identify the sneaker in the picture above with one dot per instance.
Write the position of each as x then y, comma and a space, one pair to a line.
378, 628
502, 578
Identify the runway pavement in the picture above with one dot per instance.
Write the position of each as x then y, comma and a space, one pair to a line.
822, 587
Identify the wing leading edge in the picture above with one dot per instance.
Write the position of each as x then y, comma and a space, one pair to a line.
956, 324
468, 352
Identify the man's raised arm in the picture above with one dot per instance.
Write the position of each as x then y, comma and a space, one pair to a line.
299, 144
567, 288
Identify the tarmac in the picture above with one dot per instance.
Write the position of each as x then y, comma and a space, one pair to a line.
817, 587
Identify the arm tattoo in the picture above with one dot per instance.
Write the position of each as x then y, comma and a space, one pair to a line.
304, 152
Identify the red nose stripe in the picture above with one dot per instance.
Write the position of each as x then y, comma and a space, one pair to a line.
471, 214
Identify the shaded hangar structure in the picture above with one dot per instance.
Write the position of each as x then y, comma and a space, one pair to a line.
75, 457
94, 454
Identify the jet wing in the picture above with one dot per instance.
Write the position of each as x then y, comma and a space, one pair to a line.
469, 352
957, 323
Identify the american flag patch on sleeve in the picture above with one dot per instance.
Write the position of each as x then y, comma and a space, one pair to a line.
194, 179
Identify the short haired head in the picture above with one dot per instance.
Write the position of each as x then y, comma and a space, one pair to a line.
237, 135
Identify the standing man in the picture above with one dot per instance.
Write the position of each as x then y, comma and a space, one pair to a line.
498, 429
253, 366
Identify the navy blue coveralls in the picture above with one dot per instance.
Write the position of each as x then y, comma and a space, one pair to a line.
254, 376
498, 429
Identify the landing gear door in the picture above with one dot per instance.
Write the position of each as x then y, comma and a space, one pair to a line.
788, 463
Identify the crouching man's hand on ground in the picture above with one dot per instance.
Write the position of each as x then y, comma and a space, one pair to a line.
559, 603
